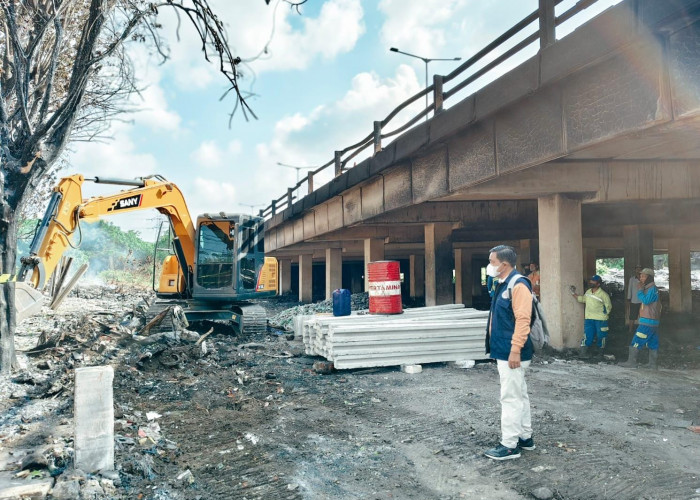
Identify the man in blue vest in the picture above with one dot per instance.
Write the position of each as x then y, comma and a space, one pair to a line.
508, 335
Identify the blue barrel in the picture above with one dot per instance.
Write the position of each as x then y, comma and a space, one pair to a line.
341, 302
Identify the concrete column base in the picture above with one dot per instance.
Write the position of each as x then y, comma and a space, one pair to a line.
417, 279
464, 279
285, 280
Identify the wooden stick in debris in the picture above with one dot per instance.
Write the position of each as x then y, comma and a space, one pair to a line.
61, 277
67, 289
155, 321
201, 339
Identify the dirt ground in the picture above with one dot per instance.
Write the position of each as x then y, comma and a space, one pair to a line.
252, 420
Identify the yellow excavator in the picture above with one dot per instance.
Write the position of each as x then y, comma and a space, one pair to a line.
215, 268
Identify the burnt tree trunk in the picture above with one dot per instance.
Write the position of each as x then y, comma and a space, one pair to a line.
8, 253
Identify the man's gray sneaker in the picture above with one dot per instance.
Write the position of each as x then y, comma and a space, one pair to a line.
501, 452
526, 444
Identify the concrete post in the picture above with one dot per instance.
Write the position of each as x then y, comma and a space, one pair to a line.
638, 249
374, 251
561, 265
417, 272
305, 278
589, 262
285, 283
679, 285
439, 264
334, 270
464, 279
93, 410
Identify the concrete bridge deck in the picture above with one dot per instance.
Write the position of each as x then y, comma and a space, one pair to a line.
588, 149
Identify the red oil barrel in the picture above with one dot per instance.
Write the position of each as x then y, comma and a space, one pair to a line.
384, 287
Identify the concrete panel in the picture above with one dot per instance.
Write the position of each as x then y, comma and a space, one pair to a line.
383, 159
684, 67
452, 119
338, 184
529, 132
321, 219
429, 174
335, 213
397, 187
352, 206
614, 97
373, 198
308, 201
309, 225
288, 229
515, 84
298, 225
408, 143
590, 42
471, 156
322, 193
297, 207
358, 173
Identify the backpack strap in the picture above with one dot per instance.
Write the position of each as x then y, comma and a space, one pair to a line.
518, 278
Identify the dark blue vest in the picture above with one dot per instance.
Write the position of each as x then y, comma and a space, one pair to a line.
502, 321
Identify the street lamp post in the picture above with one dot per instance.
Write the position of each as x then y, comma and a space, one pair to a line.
426, 60
298, 169
252, 207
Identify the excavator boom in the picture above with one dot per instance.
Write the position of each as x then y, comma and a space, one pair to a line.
60, 227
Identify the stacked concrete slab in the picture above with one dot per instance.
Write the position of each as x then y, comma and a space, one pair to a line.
420, 335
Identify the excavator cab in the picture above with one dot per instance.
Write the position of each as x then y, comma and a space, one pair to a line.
229, 263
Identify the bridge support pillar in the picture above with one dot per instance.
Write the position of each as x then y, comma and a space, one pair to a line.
638, 250
439, 264
464, 278
589, 262
417, 279
374, 251
679, 285
285, 282
334, 270
305, 278
561, 265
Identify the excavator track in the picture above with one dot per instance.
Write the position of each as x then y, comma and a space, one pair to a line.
254, 320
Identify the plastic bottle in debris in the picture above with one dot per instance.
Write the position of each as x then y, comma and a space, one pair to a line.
341, 302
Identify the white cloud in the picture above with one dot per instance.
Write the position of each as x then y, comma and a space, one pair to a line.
420, 27
210, 155
209, 195
310, 139
255, 29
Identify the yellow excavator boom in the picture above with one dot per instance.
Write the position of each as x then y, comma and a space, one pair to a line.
60, 228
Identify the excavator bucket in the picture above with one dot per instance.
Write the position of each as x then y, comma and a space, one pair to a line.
28, 301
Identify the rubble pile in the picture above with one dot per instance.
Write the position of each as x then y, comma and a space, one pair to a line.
285, 319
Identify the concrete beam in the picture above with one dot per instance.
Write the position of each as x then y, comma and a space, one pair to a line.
439, 264
679, 286
374, 251
334, 270
305, 278
561, 265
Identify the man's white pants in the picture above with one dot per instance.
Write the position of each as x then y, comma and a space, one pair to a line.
515, 404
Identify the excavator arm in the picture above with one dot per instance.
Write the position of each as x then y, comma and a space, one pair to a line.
60, 227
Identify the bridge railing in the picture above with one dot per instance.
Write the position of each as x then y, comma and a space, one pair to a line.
546, 34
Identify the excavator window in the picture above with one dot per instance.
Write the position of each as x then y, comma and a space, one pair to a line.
215, 254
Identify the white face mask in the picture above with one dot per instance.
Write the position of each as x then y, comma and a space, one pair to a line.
492, 271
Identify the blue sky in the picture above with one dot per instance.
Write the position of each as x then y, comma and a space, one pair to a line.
326, 76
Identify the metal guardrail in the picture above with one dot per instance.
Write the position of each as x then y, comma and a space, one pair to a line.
545, 34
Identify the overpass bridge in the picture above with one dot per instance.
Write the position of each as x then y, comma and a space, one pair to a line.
588, 149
